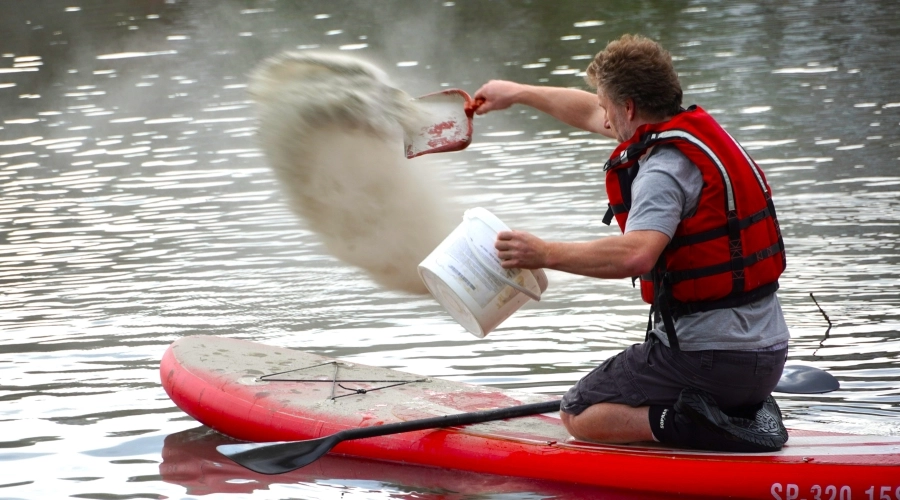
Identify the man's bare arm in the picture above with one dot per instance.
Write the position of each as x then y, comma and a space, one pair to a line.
574, 107
631, 254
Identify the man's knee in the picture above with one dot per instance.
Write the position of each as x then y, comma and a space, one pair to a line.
567, 420
589, 425
570, 423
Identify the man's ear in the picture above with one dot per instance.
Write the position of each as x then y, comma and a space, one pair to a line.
630, 110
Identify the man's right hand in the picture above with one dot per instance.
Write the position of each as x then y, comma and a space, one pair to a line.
497, 95
521, 249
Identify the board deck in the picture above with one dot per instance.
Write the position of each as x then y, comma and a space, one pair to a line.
255, 392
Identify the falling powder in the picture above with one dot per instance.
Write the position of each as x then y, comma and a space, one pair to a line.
332, 129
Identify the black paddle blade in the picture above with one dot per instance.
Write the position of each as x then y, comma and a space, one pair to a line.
285, 456
278, 458
798, 379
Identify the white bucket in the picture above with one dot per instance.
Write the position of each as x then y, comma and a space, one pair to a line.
465, 276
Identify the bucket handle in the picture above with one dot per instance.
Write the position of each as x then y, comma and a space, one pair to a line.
490, 268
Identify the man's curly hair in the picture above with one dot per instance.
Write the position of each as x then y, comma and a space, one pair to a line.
638, 68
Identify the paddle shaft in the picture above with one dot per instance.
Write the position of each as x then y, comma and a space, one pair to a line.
450, 420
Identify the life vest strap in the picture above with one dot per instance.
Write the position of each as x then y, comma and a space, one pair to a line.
693, 239
608, 216
724, 267
771, 206
613, 210
736, 248
664, 301
626, 178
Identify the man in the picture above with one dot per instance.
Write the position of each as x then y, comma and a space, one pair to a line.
699, 228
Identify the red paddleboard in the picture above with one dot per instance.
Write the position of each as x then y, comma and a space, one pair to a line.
255, 392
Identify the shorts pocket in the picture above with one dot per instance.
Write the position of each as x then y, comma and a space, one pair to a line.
624, 378
604, 367
767, 362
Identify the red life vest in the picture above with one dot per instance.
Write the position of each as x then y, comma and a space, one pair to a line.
730, 252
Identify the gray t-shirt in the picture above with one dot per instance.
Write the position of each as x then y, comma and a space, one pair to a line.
666, 190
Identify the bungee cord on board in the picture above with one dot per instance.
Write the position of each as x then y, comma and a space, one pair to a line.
335, 382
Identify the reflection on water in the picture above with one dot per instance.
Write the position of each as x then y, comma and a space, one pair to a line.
189, 459
136, 208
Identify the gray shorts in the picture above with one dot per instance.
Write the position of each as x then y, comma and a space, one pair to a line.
652, 374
